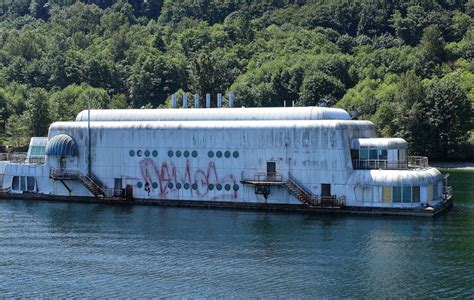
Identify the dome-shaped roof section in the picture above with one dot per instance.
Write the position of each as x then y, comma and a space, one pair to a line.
62, 144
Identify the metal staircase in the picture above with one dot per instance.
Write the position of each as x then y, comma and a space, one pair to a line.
92, 183
299, 191
262, 183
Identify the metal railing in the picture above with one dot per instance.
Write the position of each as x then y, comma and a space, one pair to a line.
277, 177
447, 192
65, 174
328, 201
412, 162
21, 158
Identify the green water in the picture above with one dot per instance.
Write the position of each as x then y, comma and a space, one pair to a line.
84, 250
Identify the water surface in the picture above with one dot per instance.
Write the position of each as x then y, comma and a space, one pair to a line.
88, 250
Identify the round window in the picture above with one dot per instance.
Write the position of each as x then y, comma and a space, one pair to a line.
219, 154
227, 154
227, 187
195, 186
236, 187
139, 184
147, 153
178, 186
194, 153
139, 153
219, 186
210, 186
131, 153
154, 153
235, 154
186, 186
170, 153
154, 185
178, 153
210, 154
170, 185
186, 153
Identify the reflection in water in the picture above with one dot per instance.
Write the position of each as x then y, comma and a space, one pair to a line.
81, 250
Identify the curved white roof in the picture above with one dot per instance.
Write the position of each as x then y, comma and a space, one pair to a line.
208, 114
395, 177
214, 125
385, 143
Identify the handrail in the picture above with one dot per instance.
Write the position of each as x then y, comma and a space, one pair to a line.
22, 158
411, 162
68, 174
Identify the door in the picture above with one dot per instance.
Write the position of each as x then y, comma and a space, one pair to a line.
325, 190
271, 169
62, 164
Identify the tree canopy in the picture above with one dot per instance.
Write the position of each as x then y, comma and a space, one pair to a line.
408, 66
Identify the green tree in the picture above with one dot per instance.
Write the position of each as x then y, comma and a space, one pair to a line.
37, 112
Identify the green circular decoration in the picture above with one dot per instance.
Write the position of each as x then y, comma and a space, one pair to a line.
154, 153
236, 187
227, 154
186, 153
131, 153
139, 184
154, 185
147, 153
178, 153
236, 154
170, 153
139, 153
170, 185
219, 154
186, 186
227, 187
195, 186
178, 186
194, 153
219, 186
210, 186
210, 154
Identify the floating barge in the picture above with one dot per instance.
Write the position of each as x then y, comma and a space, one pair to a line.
305, 159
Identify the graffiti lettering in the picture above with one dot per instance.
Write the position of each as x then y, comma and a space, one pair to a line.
200, 183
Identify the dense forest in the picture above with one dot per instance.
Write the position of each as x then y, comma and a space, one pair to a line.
405, 65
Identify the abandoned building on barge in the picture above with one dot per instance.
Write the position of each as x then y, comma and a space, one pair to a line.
292, 157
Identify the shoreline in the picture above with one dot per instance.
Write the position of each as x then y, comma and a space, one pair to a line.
463, 166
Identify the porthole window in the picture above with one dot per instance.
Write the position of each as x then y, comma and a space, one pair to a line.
147, 153
210, 186
139, 153
154, 185
219, 154
186, 153
178, 186
219, 186
194, 154
170, 185
170, 153
186, 186
235, 154
210, 154
139, 184
178, 153
154, 153
195, 186
227, 154
227, 187
236, 187
131, 153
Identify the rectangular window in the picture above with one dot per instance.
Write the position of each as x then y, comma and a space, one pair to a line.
23, 183
415, 193
16, 183
355, 153
373, 154
383, 154
407, 194
364, 153
30, 182
397, 194
430, 192
387, 194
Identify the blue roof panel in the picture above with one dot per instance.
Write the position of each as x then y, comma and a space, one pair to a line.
63, 145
